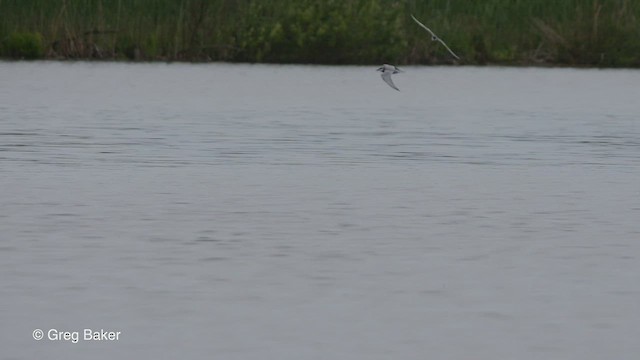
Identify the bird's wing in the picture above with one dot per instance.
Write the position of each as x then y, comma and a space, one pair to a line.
435, 37
445, 45
386, 76
423, 26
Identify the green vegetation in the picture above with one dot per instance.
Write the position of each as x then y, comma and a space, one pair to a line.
568, 32
23, 46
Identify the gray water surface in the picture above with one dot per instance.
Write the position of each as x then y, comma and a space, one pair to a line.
307, 212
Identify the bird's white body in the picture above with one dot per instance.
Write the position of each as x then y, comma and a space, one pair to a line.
434, 37
387, 70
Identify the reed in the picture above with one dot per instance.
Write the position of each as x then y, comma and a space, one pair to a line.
570, 32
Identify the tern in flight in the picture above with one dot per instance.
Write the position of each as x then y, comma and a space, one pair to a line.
387, 70
434, 37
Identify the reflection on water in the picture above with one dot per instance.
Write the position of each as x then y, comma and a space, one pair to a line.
303, 211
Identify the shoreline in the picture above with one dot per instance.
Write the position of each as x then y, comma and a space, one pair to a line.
207, 62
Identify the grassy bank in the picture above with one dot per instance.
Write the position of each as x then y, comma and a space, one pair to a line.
568, 32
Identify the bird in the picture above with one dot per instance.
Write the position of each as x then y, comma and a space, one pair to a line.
387, 70
434, 37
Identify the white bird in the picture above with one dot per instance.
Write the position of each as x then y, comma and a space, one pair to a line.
434, 37
387, 70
